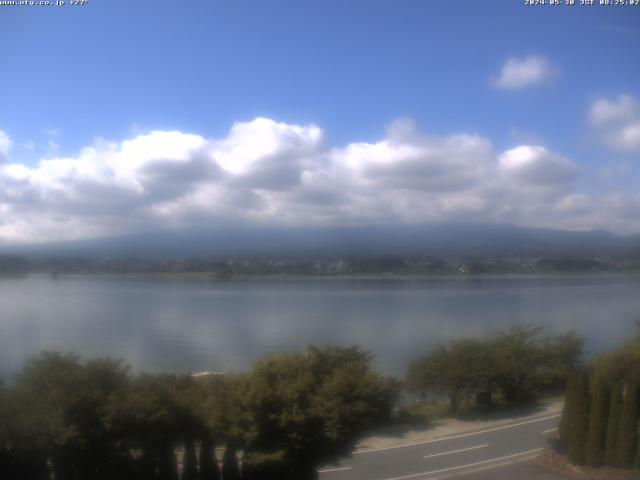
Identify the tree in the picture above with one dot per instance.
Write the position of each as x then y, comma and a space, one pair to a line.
628, 439
310, 408
269, 466
567, 412
63, 409
520, 356
223, 407
613, 425
189, 461
622, 368
598, 422
621, 365
561, 355
579, 420
209, 469
517, 364
458, 370
167, 466
230, 467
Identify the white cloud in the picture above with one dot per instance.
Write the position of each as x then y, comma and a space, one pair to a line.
282, 174
517, 73
537, 166
5, 145
267, 154
617, 122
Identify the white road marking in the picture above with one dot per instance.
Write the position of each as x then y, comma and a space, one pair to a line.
482, 462
503, 427
493, 466
550, 430
327, 470
456, 451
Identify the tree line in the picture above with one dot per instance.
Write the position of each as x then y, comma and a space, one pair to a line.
600, 424
66, 418
515, 366
71, 419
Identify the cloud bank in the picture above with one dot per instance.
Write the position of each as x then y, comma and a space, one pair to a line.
518, 73
272, 173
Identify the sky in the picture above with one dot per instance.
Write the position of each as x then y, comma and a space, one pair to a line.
122, 117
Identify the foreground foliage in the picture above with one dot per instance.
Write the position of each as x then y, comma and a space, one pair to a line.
602, 411
70, 419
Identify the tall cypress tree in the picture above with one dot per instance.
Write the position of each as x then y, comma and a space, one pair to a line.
230, 467
613, 425
579, 420
628, 439
209, 469
189, 461
565, 420
598, 422
167, 466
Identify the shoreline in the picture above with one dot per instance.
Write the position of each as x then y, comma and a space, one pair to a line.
286, 276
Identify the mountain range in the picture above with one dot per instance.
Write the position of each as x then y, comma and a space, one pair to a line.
420, 239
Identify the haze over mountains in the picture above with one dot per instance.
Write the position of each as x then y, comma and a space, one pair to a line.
422, 239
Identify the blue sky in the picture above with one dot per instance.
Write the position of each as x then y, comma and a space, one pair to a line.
116, 70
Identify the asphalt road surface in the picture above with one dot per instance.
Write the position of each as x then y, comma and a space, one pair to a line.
504, 452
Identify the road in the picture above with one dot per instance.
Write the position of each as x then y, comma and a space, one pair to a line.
502, 452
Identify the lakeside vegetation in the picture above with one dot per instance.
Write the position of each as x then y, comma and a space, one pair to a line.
513, 367
72, 419
327, 265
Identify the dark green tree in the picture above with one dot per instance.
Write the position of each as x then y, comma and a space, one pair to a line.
613, 425
230, 467
310, 408
567, 411
64, 407
628, 439
189, 461
598, 422
167, 465
579, 420
458, 369
520, 357
209, 469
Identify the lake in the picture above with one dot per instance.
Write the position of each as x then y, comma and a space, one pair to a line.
191, 323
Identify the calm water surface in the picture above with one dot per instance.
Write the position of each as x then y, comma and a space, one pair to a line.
194, 324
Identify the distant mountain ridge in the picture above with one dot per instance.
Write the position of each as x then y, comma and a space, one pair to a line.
421, 239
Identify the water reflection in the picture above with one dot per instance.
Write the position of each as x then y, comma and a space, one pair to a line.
189, 324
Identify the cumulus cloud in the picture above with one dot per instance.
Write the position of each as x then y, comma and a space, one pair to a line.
517, 73
275, 173
537, 167
617, 122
